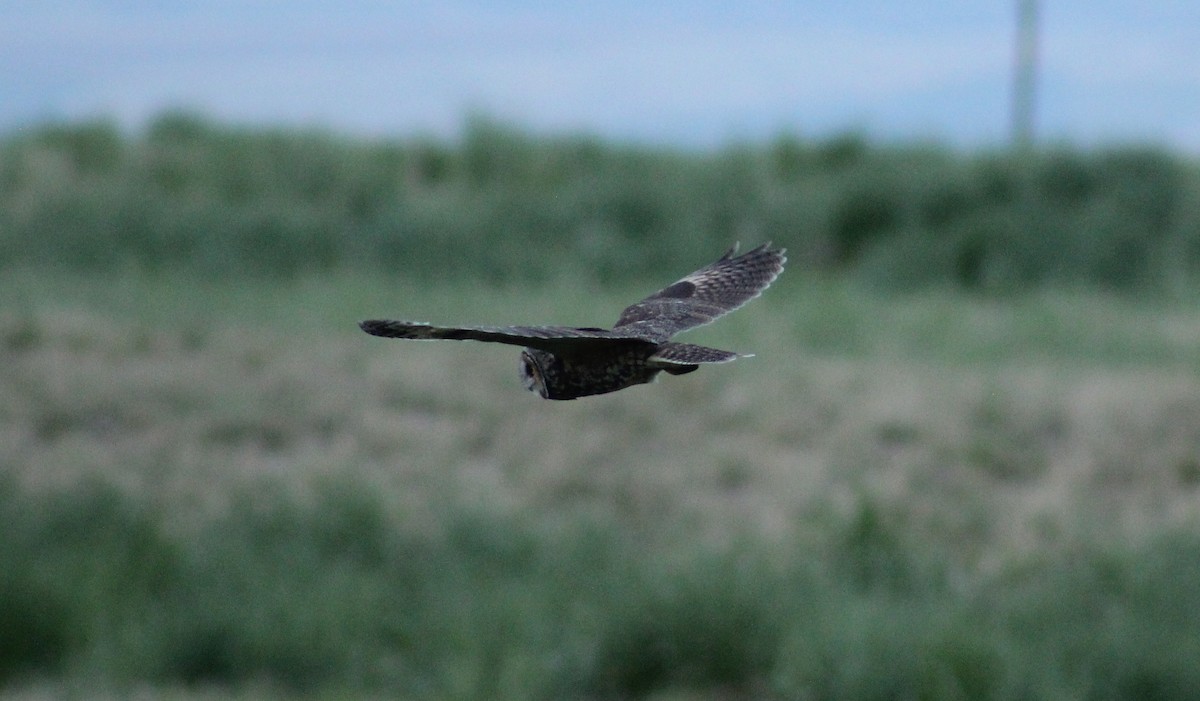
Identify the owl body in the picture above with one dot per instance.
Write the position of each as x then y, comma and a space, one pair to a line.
559, 362
573, 375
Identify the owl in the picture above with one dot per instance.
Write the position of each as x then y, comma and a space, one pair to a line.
561, 362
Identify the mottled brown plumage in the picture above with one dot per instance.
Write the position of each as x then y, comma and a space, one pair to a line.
561, 362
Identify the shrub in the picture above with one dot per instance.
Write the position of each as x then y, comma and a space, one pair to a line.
193, 194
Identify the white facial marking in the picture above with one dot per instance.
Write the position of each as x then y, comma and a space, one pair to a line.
531, 377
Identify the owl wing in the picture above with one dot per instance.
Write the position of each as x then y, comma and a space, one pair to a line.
706, 294
554, 339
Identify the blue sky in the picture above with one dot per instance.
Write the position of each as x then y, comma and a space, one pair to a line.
689, 73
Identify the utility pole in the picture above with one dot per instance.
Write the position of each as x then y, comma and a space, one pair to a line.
1025, 76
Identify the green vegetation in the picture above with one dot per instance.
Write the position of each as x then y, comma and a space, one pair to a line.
191, 194
213, 486
331, 595
214, 489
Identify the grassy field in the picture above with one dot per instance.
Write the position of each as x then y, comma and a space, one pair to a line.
220, 488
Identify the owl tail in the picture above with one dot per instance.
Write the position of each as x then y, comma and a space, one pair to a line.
680, 358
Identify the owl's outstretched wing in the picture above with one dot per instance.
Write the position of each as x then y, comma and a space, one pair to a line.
554, 339
706, 294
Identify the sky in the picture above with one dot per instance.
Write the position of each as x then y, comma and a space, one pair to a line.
690, 73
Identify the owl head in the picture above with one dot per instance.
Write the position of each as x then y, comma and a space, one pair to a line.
532, 374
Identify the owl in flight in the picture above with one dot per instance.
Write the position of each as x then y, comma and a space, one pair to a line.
561, 362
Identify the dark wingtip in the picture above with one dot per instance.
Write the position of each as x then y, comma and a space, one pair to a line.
372, 326
761, 248
781, 253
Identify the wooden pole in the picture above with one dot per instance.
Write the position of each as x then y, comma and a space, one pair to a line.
1025, 76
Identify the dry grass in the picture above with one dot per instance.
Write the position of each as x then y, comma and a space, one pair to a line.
192, 391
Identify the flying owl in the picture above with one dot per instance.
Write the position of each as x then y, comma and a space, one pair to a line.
561, 362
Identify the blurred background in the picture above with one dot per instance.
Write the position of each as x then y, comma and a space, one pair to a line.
964, 463
683, 74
